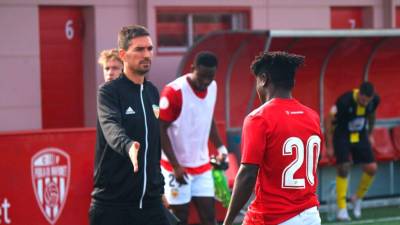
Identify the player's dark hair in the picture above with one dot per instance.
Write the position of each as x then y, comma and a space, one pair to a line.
367, 89
280, 66
207, 59
127, 33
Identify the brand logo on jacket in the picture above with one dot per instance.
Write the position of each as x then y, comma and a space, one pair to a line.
129, 111
51, 170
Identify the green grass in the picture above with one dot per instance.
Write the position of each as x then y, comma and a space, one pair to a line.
371, 216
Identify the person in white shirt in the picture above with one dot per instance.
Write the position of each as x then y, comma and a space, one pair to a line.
187, 122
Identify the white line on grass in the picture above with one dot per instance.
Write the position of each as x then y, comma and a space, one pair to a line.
369, 221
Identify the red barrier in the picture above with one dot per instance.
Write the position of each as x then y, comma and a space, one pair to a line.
46, 176
382, 145
396, 139
383, 74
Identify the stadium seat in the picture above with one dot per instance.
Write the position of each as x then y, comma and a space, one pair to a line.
396, 139
382, 146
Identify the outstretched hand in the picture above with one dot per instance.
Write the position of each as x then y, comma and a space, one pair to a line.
133, 155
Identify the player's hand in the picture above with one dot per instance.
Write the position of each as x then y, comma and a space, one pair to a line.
133, 155
221, 158
220, 161
180, 175
165, 202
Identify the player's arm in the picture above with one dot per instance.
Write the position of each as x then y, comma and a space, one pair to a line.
110, 120
217, 142
179, 172
371, 122
244, 184
170, 107
330, 127
254, 144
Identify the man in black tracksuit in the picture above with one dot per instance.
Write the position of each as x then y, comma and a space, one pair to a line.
128, 183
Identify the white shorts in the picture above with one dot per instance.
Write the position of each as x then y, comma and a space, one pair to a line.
199, 185
307, 217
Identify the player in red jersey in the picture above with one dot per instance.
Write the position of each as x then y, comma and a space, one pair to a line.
281, 141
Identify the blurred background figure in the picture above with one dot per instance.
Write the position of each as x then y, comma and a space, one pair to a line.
187, 123
349, 128
111, 63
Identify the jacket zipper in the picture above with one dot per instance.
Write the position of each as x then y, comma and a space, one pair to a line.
145, 150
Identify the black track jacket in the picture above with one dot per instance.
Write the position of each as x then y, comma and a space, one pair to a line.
127, 112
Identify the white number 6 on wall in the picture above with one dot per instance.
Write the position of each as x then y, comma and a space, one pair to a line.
69, 29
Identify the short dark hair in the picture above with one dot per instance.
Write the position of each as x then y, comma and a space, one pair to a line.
280, 66
367, 89
127, 33
207, 59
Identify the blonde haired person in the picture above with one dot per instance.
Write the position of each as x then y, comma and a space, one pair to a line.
111, 63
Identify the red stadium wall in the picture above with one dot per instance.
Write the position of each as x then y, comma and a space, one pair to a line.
46, 176
384, 73
347, 17
61, 57
242, 81
345, 70
307, 78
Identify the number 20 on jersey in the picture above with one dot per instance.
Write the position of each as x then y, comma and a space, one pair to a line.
294, 145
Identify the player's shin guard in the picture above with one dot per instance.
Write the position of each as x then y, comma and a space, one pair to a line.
341, 189
365, 183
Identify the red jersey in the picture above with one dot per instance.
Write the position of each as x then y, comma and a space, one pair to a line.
284, 138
